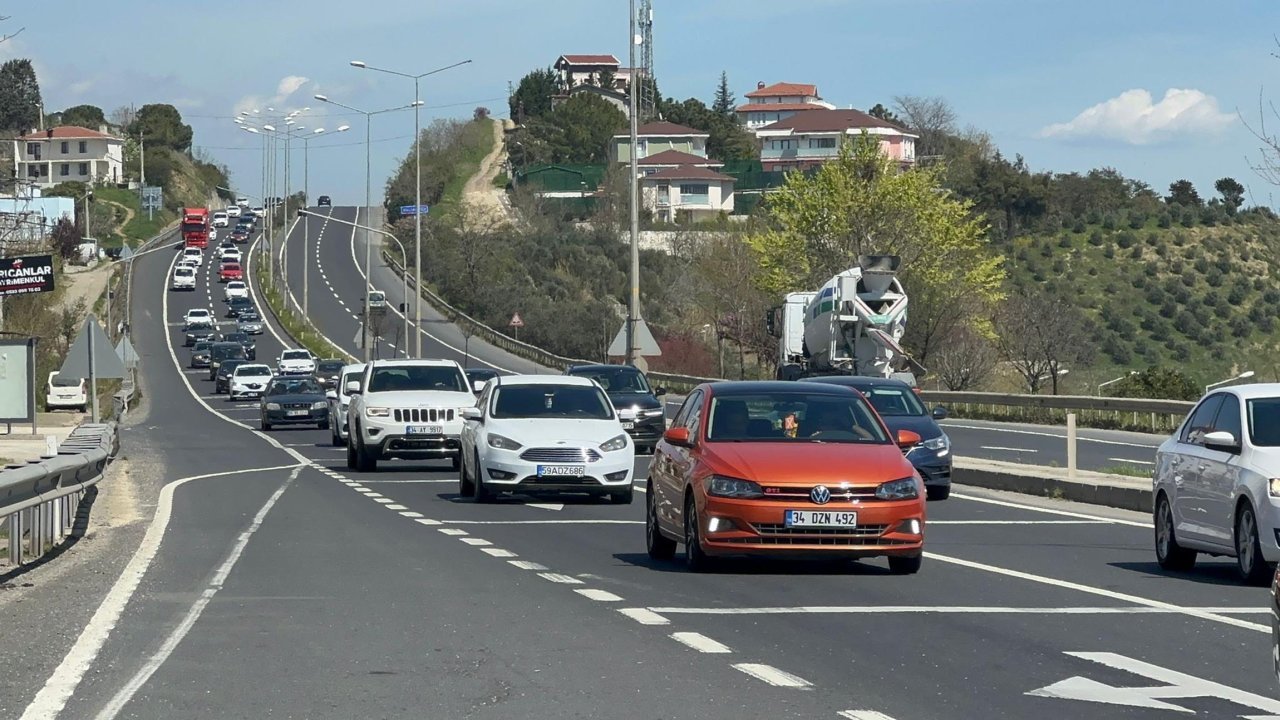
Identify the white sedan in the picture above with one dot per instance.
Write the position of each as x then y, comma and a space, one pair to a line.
249, 380
235, 289
198, 315
533, 434
232, 253
296, 362
194, 254
233, 211
184, 278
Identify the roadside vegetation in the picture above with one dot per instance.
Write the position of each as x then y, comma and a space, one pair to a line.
451, 153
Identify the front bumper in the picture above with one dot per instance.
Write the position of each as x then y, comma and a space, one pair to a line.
200, 363
294, 370
647, 431
934, 470
244, 392
253, 329
282, 417
758, 527
504, 470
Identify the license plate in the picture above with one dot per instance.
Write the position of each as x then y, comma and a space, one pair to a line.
561, 470
298, 413
821, 518
628, 426
424, 430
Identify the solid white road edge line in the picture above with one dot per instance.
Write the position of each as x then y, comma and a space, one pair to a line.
772, 675
700, 642
1050, 511
170, 644
1063, 436
53, 697
1102, 592
1008, 449
543, 522
1134, 462
946, 609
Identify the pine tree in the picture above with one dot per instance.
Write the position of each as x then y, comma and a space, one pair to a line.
724, 102
19, 96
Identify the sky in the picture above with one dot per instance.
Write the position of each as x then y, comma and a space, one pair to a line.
1158, 89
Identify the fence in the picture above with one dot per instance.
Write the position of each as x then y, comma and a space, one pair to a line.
39, 501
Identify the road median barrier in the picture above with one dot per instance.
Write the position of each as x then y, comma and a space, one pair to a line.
1094, 488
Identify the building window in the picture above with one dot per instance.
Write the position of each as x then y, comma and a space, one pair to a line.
33, 150
822, 143
789, 144
695, 194
84, 147
66, 147
64, 169
33, 171
84, 168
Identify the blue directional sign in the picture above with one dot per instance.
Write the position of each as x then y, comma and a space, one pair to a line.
414, 209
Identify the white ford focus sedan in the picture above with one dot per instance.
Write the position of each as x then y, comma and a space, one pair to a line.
1217, 483
534, 434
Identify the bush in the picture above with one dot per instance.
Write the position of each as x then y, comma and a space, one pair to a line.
1064, 242
1187, 217
1214, 277
1126, 240
1209, 217
1136, 253
1237, 294
1153, 239
1241, 327
1151, 269
1078, 226
1060, 266
1092, 271
1109, 222
1095, 216
1137, 219
1109, 251
1046, 250
1095, 238
1164, 220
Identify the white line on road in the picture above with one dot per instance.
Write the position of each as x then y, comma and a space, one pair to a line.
527, 565
1008, 449
950, 610
1062, 436
863, 715
429, 521
381, 500
477, 542
411, 514
395, 506
453, 531
1134, 462
453, 481
498, 552
1049, 511
598, 595
644, 616
543, 522
700, 642
772, 675
560, 578
1016, 522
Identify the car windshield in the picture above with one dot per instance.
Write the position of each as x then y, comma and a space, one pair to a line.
296, 355
235, 337
793, 416
60, 381
578, 402
893, 401
295, 386
246, 317
616, 380
330, 367
418, 377
200, 325
1264, 421
253, 371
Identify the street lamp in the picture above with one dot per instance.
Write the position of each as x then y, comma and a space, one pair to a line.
1112, 382
306, 219
417, 172
404, 277
368, 161
1242, 376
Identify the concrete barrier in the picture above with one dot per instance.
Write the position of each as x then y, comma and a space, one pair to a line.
1117, 491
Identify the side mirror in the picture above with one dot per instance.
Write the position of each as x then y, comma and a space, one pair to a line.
1223, 441
940, 413
353, 387
660, 392
678, 436
331, 395
472, 413
477, 387
908, 439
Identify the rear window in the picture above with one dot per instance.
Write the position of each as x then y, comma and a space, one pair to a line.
60, 381
616, 380
184, 272
893, 401
330, 366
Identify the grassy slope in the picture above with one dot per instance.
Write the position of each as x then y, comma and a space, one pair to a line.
1200, 299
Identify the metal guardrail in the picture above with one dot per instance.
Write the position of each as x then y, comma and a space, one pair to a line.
39, 500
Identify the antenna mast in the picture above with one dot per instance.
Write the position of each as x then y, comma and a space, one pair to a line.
648, 100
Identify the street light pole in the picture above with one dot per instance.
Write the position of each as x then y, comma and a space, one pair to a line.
306, 218
417, 172
633, 309
1242, 376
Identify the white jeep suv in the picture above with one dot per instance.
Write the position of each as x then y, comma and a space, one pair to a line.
408, 409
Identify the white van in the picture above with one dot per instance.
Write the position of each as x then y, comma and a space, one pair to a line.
66, 393
377, 299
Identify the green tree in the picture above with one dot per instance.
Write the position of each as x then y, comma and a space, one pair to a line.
162, 126
861, 204
724, 103
66, 238
1160, 383
1232, 192
586, 124
884, 113
1182, 192
19, 96
607, 79
85, 116
532, 98
728, 140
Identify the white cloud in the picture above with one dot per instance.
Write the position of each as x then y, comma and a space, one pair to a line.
1133, 118
288, 86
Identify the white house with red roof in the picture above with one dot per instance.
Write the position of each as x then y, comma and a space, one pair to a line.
779, 101
68, 153
579, 69
811, 138
687, 192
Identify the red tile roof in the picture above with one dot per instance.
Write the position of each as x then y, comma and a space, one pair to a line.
675, 157
823, 120
777, 89
66, 132
688, 172
775, 107
664, 129
590, 59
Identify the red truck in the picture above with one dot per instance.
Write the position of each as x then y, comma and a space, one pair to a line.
195, 227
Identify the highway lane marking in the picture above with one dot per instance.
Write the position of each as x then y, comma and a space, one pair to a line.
453, 532
1135, 462
772, 675
428, 521
452, 481
528, 565
863, 715
1007, 449
477, 542
598, 595
497, 552
58, 689
644, 616
382, 500
410, 514
394, 506
1008, 522
1063, 436
948, 610
543, 522
126, 693
1049, 511
559, 578
1102, 592
700, 642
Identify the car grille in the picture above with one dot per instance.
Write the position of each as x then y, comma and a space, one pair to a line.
801, 494
423, 414
296, 406
560, 455
771, 534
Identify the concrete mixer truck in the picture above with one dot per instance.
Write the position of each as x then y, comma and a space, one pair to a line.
852, 325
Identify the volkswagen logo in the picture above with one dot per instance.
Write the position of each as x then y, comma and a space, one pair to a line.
820, 495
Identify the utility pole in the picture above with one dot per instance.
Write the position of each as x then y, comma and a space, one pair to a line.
633, 310
142, 157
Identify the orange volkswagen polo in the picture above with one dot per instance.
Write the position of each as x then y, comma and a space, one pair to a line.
784, 468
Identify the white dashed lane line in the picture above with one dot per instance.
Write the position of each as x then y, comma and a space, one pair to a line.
560, 578
700, 642
598, 595
528, 565
497, 552
644, 616
772, 675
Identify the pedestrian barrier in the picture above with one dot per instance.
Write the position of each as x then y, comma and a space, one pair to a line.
39, 500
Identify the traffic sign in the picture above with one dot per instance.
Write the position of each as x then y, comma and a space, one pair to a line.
92, 355
516, 322
414, 209
645, 343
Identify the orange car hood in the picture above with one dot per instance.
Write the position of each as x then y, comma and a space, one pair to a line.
806, 463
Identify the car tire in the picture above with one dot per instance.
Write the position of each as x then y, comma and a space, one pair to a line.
623, 497
266, 426
456, 462
660, 546
366, 461
1169, 554
323, 425
336, 439
479, 493
905, 564
351, 454
938, 492
1250, 564
695, 558
465, 483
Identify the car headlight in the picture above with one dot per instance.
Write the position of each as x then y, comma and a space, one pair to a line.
273, 406
377, 412
652, 412
904, 489
728, 487
503, 443
615, 444
319, 405
1273, 487
940, 444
